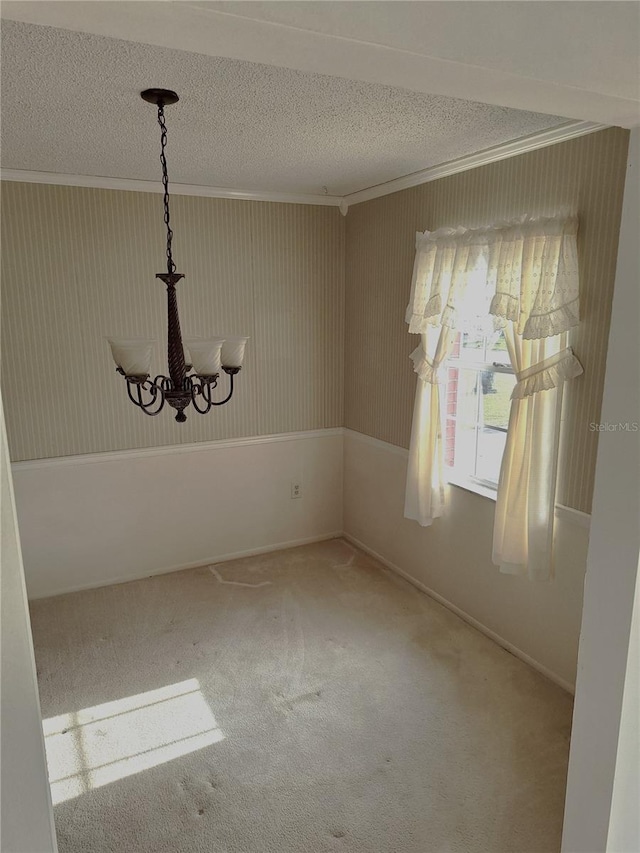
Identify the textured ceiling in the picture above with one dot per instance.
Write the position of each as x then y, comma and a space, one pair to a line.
70, 104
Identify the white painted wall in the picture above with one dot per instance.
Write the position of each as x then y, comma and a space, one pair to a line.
624, 821
604, 764
539, 622
26, 815
106, 518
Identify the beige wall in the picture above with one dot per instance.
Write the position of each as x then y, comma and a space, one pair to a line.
79, 264
586, 174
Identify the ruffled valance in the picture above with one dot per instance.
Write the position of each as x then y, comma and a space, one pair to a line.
550, 373
525, 271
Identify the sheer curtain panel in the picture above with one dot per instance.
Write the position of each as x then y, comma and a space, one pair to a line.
443, 266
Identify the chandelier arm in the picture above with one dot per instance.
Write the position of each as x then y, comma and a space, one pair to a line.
154, 388
135, 402
198, 390
229, 395
156, 395
209, 386
162, 382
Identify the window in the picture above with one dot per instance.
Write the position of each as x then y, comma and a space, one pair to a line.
477, 391
521, 275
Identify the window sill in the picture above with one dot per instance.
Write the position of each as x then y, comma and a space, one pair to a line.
473, 486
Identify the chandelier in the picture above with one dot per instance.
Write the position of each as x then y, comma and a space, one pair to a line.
208, 357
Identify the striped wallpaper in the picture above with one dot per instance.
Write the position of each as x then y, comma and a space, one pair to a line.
79, 265
586, 174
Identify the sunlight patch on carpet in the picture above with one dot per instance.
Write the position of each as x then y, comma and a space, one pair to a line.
92, 747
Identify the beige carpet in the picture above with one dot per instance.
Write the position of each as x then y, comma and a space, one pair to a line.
305, 700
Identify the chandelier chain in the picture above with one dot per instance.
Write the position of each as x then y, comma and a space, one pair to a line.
171, 267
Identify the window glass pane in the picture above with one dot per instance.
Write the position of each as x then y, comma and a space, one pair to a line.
473, 344
449, 405
496, 398
474, 305
456, 346
467, 398
476, 403
490, 449
460, 418
460, 447
497, 349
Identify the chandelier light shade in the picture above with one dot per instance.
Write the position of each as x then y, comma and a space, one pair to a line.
192, 378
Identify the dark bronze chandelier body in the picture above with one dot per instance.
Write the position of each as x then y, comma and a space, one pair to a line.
181, 388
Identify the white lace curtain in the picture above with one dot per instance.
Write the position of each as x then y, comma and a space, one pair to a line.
525, 274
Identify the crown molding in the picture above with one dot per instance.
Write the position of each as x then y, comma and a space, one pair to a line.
554, 136
132, 185
562, 133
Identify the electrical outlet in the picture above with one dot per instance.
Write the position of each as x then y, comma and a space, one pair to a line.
296, 489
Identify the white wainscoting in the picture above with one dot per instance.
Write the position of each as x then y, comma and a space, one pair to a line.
451, 560
89, 521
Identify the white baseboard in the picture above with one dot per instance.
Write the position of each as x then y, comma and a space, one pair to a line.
505, 644
197, 564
